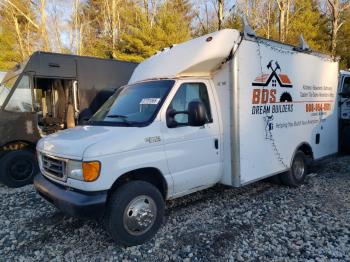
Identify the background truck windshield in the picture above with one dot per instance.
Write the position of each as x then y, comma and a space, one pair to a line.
5, 88
9, 80
133, 105
21, 98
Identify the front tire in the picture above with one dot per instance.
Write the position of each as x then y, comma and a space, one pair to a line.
18, 168
134, 213
298, 171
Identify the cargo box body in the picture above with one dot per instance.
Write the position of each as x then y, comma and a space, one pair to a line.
272, 99
277, 100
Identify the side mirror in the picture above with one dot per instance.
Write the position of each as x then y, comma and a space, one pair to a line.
84, 121
196, 114
170, 118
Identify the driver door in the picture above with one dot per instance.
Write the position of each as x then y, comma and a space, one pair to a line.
192, 152
345, 101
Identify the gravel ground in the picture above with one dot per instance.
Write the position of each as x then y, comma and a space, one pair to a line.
262, 221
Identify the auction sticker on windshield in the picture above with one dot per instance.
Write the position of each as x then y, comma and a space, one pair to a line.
150, 101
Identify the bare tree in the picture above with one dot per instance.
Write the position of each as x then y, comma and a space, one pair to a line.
336, 8
23, 25
18, 34
112, 21
13, 5
150, 10
283, 6
43, 29
209, 15
56, 27
220, 13
268, 22
76, 30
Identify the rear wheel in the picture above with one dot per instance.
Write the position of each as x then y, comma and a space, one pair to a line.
17, 168
134, 213
345, 140
298, 171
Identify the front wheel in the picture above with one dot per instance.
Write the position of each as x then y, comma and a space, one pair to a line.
134, 213
17, 168
298, 171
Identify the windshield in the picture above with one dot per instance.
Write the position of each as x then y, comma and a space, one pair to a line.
5, 88
133, 105
9, 80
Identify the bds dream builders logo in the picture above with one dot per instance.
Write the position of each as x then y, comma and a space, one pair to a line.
271, 92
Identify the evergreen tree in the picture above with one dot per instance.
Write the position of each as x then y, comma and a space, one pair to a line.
343, 47
143, 39
305, 18
18, 32
9, 57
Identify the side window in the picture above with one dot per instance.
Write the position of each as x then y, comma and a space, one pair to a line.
185, 94
21, 99
346, 86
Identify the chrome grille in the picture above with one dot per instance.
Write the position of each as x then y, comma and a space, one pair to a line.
54, 167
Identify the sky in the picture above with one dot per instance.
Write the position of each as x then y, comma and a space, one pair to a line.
63, 9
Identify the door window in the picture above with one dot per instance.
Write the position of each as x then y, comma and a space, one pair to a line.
346, 86
185, 94
21, 99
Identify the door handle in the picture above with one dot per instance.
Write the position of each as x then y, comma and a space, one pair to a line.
216, 143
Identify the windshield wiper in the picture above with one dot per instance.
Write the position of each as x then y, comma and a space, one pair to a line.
117, 116
122, 117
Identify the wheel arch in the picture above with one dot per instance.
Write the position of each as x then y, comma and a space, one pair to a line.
306, 148
151, 175
17, 145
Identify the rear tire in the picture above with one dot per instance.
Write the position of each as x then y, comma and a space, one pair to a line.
134, 213
298, 171
18, 168
345, 140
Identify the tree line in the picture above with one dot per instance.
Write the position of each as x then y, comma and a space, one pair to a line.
133, 30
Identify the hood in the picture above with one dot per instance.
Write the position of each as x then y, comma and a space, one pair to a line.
94, 141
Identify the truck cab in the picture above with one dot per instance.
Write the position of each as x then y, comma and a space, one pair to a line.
150, 132
46, 94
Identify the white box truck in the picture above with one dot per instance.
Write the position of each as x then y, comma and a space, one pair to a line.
223, 108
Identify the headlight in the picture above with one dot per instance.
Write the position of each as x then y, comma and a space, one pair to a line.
84, 171
75, 170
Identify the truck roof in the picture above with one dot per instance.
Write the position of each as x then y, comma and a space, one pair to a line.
39, 53
63, 65
200, 56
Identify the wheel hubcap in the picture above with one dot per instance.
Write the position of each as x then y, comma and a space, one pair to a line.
140, 215
298, 168
21, 169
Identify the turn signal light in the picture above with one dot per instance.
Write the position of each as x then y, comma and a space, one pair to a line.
91, 170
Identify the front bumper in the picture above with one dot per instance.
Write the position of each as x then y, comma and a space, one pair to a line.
72, 202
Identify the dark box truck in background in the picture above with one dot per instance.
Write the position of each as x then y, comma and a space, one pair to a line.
48, 93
